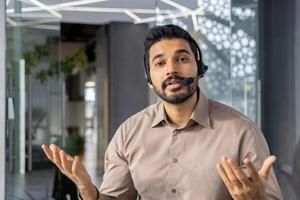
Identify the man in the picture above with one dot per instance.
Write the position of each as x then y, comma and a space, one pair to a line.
186, 147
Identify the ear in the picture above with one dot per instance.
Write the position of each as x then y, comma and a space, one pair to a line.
150, 85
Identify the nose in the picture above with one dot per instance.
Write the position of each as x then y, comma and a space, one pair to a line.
171, 68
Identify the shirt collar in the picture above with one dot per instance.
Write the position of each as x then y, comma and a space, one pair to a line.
201, 111
160, 115
200, 114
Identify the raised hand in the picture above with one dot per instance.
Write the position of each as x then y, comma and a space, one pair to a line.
73, 169
240, 186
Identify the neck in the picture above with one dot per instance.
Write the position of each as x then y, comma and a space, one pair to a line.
179, 114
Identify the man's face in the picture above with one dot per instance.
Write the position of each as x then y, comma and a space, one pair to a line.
172, 60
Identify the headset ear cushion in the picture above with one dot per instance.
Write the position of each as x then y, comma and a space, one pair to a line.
146, 67
199, 69
146, 76
199, 65
202, 68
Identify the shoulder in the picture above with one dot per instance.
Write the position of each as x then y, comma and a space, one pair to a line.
139, 121
240, 130
145, 116
224, 115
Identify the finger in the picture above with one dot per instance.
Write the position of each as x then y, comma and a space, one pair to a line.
48, 152
267, 165
55, 146
68, 157
66, 164
55, 152
75, 165
239, 173
224, 176
254, 174
230, 174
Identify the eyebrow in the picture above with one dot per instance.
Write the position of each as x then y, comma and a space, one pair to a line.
179, 51
157, 56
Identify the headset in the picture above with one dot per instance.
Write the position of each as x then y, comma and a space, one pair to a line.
202, 67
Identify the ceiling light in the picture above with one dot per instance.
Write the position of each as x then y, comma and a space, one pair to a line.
30, 15
48, 27
57, 6
195, 23
45, 7
132, 15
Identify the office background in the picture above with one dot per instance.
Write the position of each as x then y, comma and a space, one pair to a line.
79, 64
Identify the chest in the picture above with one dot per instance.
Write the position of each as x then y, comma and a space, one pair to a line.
179, 163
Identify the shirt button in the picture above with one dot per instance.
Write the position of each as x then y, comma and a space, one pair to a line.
175, 160
173, 190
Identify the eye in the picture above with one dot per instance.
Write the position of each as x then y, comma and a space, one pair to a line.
183, 59
160, 64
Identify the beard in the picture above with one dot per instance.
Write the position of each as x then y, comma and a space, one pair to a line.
179, 95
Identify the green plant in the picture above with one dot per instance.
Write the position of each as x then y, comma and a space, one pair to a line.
68, 65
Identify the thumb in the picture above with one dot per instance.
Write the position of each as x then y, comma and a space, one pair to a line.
264, 171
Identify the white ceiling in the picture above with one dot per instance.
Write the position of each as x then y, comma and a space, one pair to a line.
41, 12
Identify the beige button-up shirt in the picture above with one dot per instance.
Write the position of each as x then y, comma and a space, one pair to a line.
150, 157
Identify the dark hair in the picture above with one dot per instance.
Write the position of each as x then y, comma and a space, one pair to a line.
170, 31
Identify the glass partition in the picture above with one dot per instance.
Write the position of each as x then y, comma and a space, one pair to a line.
226, 33
34, 89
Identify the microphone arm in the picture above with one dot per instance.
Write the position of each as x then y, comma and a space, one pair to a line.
189, 80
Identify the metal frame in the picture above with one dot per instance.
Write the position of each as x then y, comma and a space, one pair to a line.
2, 97
297, 69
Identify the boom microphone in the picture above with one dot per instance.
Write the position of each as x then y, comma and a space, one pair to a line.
189, 80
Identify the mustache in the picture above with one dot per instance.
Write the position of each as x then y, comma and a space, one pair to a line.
171, 77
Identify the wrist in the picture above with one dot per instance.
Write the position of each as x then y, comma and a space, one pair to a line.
88, 192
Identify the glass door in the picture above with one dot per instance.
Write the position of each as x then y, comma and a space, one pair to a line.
34, 90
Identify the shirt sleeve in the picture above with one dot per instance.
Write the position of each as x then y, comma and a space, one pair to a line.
99, 196
254, 147
117, 180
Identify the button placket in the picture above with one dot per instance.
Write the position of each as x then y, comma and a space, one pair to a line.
174, 150
174, 169
176, 132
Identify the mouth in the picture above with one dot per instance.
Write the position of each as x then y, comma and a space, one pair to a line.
174, 84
